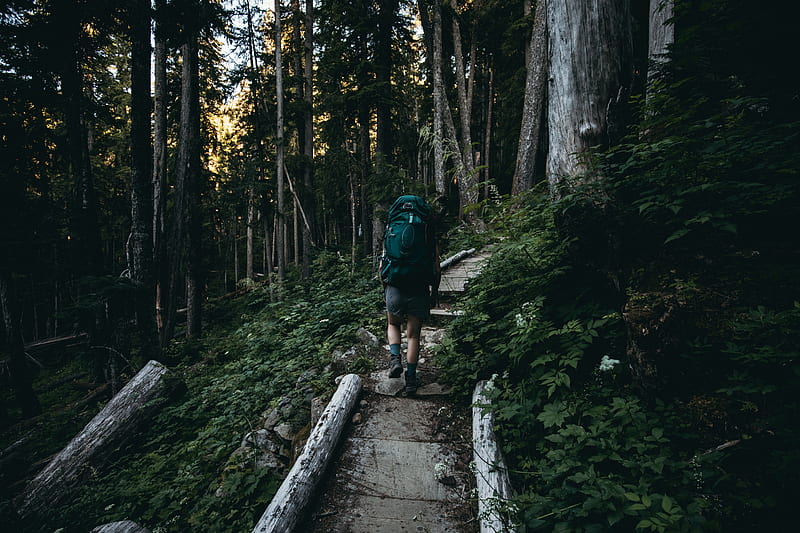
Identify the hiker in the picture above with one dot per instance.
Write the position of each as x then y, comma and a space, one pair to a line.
410, 276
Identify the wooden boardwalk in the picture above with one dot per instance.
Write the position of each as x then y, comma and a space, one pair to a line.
456, 277
403, 463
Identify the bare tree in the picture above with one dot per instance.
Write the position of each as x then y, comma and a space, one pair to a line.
536, 76
308, 141
160, 162
281, 229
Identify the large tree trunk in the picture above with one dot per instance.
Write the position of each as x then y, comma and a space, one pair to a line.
160, 164
589, 73
281, 229
141, 252
189, 175
91, 449
288, 504
536, 65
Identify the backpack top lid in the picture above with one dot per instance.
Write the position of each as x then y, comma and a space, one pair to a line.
410, 202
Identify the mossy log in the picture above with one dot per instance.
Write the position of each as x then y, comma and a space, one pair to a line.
94, 445
288, 504
491, 475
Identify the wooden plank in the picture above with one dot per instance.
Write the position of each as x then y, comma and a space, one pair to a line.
287, 506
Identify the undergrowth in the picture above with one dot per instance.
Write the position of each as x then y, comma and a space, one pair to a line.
174, 476
640, 335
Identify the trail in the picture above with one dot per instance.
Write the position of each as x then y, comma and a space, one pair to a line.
402, 463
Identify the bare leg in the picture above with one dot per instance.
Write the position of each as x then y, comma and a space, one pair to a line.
393, 328
413, 329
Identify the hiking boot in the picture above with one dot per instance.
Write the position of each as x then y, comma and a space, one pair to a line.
395, 368
411, 384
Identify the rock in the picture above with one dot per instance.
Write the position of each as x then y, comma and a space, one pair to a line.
341, 360
433, 335
305, 378
245, 456
272, 419
317, 407
124, 526
357, 418
260, 439
363, 404
286, 431
367, 338
386, 385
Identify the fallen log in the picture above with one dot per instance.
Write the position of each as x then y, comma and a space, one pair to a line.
59, 343
122, 416
124, 526
491, 475
288, 504
455, 258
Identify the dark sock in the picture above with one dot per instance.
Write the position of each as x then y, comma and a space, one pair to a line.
394, 349
411, 369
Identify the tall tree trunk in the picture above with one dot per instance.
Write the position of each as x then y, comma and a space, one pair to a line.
281, 230
662, 32
141, 184
589, 73
251, 219
535, 84
20, 376
84, 224
383, 77
433, 39
467, 180
487, 138
194, 186
308, 141
160, 164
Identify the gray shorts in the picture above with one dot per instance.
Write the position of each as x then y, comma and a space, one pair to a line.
401, 303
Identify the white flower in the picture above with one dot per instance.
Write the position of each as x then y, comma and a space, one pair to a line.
520, 320
440, 471
606, 363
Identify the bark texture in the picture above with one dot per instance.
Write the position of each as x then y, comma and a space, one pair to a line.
287, 506
141, 243
280, 149
119, 420
535, 90
662, 30
160, 162
590, 48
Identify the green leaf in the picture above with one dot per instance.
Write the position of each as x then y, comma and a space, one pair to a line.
553, 414
632, 496
676, 235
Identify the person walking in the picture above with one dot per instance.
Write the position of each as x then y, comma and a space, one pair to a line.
410, 276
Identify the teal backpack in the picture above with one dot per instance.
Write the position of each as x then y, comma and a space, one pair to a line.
408, 250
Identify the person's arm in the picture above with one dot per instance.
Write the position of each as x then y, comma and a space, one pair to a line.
437, 276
